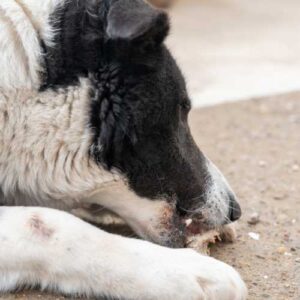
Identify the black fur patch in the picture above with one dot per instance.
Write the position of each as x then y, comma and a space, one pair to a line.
84, 42
110, 120
79, 27
140, 120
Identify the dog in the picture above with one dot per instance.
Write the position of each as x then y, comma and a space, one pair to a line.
90, 97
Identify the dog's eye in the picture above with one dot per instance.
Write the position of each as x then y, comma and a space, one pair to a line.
186, 106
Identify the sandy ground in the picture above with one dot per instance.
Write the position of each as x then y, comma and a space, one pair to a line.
256, 144
237, 49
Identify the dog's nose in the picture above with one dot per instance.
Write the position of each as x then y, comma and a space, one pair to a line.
235, 211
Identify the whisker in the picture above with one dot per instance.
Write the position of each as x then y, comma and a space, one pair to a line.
233, 208
198, 197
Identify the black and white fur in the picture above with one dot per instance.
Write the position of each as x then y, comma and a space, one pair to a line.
90, 96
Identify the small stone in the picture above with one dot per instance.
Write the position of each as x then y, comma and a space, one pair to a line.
297, 260
279, 197
295, 168
253, 218
281, 250
262, 163
286, 237
255, 236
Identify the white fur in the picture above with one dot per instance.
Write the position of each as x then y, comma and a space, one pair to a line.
217, 206
149, 219
45, 139
74, 257
23, 24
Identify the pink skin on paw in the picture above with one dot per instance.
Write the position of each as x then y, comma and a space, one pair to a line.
39, 228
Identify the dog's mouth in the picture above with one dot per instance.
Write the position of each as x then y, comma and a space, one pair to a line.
180, 234
175, 230
195, 226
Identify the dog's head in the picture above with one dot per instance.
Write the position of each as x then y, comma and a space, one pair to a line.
140, 109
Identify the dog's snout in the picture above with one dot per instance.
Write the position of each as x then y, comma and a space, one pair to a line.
235, 211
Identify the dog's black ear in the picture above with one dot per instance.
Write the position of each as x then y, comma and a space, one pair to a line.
111, 119
132, 20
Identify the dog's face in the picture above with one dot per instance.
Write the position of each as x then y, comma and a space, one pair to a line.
141, 115
164, 162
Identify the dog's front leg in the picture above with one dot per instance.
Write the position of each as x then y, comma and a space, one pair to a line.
57, 251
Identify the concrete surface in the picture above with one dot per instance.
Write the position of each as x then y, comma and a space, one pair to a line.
237, 49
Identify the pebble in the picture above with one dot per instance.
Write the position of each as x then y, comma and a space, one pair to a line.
253, 218
255, 236
279, 197
286, 237
297, 260
262, 163
295, 168
281, 250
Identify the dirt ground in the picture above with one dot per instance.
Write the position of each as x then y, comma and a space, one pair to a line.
257, 145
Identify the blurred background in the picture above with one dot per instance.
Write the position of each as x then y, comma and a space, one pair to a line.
237, 49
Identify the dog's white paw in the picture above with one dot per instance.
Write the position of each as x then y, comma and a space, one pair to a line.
185, 274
